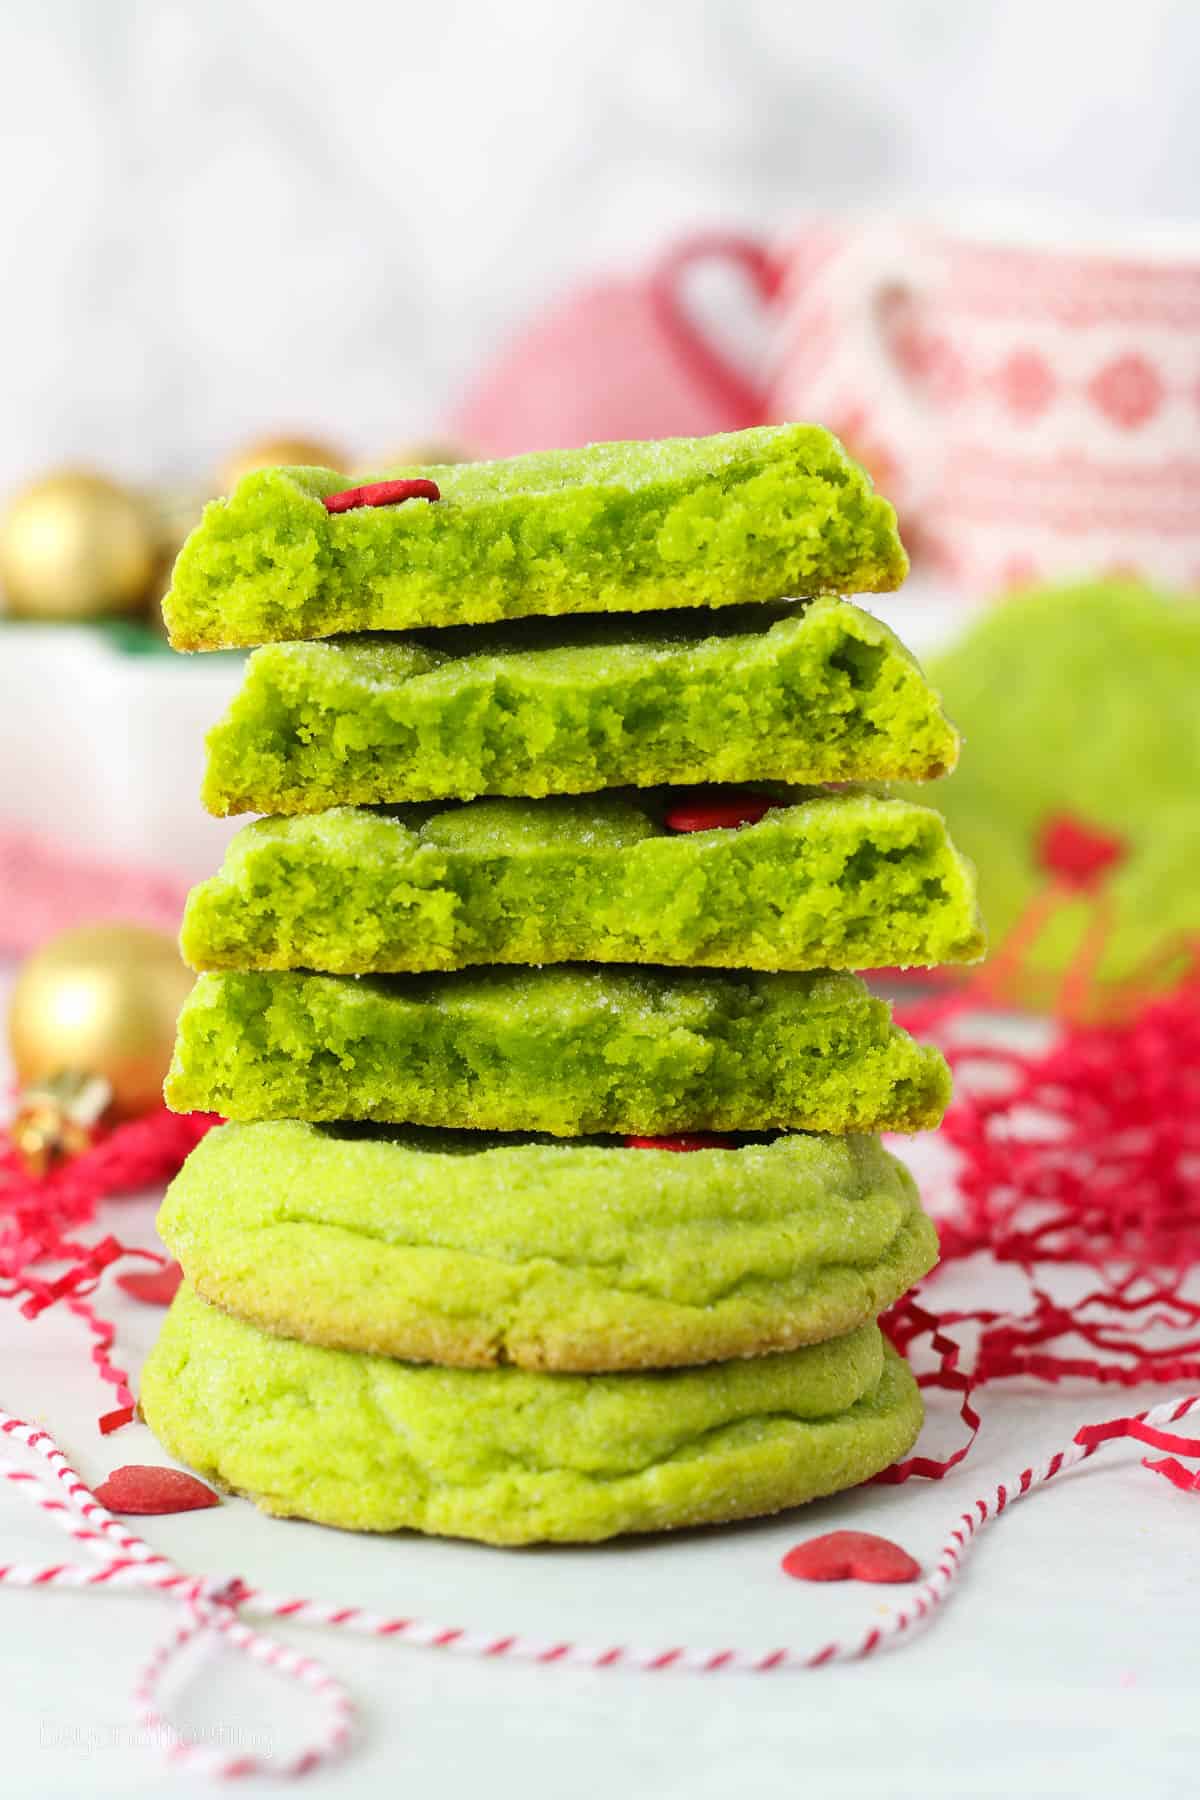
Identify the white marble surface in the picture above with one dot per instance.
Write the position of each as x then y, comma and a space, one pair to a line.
223, 216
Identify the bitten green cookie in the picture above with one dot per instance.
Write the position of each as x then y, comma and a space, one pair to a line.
470, 1250
564, 1050
750, 515
795, 694
513, 1457
828, 881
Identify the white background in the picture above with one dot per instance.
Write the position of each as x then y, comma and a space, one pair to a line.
226, 215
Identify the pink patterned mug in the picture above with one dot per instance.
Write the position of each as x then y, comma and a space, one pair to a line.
1033, 409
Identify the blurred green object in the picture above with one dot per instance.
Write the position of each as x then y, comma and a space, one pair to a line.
134, 638
1080, 702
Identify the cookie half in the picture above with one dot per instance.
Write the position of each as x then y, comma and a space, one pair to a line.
810, 694
512, 1457
567, 1050
810, 881
475, 1251
625, 527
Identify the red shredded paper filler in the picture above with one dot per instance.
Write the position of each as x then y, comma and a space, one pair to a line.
1078, 854
40, 1215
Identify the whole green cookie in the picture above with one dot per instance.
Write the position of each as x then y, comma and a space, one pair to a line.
513, 1457
470, 1250
1084, 703
567, 1050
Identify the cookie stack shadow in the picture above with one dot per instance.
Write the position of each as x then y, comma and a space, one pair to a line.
552, 1203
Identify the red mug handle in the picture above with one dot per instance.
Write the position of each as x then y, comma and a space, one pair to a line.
740, 397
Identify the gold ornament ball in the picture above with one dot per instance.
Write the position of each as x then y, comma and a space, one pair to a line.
100, 1000
75, 545
176, 512
422, 453
280, 450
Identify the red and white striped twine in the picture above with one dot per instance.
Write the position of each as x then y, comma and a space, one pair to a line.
213, 1606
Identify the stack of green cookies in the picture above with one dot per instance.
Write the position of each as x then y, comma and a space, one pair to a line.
552, 1203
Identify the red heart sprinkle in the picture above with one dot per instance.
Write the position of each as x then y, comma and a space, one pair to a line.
718, 815
147, 1488
850, 1556
382, 493
1079, 854
156, 1287
687, 1140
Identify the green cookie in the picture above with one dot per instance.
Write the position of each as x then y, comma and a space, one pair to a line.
829, 881
756, 693
567, 1050
1081, 702
513, 1457
473, 1251
750, 515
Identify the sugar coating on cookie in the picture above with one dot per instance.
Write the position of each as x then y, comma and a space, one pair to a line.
470, 1250
509, 1456
565, 1050
795, 694
743, 516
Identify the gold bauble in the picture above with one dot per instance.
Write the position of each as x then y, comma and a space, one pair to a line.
75, 545
279, 451
176, 513
421, 453
100, 1000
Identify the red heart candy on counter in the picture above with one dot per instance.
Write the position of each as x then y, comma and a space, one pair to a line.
146, 1488
850, 1556
156, 1287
